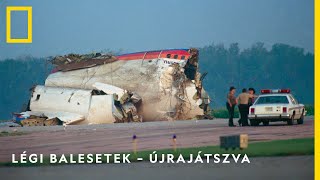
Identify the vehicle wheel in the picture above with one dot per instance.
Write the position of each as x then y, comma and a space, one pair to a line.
265, 123
290, 121
254, 122
300, 121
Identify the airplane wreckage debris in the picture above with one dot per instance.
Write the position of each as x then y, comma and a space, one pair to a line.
102, 88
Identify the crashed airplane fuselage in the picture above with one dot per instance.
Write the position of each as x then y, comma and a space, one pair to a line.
167, 82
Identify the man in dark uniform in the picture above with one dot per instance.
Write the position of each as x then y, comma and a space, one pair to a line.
243, 100
231, 103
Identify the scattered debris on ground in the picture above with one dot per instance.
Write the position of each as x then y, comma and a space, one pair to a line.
9, 123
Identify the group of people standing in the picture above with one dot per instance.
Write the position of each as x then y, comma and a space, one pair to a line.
244, 101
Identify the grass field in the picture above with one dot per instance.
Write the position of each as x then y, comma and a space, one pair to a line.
290, 147
6, 133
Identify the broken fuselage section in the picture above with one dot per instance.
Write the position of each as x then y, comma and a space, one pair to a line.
143, 86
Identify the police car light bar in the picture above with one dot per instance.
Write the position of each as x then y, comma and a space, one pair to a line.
265, 91
269, 91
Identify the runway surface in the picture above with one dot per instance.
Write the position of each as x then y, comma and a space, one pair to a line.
262, 168
152, 135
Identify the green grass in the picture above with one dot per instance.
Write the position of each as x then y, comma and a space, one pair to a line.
310, 110
6, 133
290, 147
223, 113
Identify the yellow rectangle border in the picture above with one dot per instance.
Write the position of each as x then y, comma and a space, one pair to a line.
317, 89
19, 8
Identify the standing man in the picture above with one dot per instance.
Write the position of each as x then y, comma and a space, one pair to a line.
231, 103
251, 100
243, 100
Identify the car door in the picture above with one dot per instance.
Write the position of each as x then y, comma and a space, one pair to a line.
296, 106
301, 107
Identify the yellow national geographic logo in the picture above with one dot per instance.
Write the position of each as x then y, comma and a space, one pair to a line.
19, 40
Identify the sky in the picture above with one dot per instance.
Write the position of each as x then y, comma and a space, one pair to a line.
85, 26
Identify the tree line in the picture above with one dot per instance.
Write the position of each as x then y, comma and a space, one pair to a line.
281, 66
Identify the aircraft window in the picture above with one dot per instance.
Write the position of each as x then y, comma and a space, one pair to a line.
175, 57
183, 57
168, 55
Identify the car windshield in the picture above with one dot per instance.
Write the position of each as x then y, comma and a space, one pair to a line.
272, 100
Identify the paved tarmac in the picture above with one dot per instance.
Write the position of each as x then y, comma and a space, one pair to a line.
109, 138
262, 168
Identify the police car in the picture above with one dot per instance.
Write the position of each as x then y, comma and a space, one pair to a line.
276, 105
